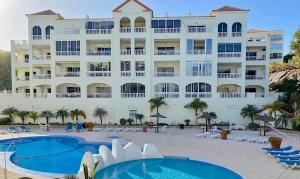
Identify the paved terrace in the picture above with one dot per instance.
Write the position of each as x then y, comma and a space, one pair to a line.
245, 158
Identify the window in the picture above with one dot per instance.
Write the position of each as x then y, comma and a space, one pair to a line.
125, 66
196, 68
237, 27
67, 46
132, 114
208, 46
133, 88
229, 47
198, 87
276, 37
48, 30
36, 30
251, 54
139, 66
99, 25
166, 87
222, 27
275, 55
166, 23
275, 47
73, 89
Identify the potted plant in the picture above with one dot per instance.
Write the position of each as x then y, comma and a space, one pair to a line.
130, 121
89, 126
122, 121
275, 142
145, 126
187, 122
224, 134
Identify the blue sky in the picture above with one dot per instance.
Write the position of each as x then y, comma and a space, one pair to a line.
264, 14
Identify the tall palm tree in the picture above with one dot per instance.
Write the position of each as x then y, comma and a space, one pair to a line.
10, 112
156, 103
100, 112
197, 105
76, 113
47, 114
34, 115
23, 115
249, 112
140, 117
62, 113
275, 106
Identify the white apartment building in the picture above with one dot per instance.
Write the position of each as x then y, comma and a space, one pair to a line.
120, 63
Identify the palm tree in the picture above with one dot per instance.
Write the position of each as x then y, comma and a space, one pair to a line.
62, 113
140, 117
47, 114
275, 106
297, 119
23, 115
76, 113
10, 112
197, 105
34, 116
249, 112
156, 103
100, 112
282, 121
209, 119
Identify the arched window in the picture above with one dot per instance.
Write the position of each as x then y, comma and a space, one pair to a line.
166, 87
36, 32
237, 27
48, 31
198, 88
125, 25
222, 27
132, 88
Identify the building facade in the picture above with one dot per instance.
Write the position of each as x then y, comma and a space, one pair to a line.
120, 63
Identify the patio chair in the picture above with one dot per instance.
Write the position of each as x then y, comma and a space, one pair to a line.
291, 164
25, 129
295, 157
69, 128
12, 129
79, 128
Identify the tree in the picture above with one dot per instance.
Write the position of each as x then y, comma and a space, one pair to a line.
34, 116
62, 113
129, 120
5, 71
249, 112
297, 119
47, 114
156, 103
76, 113
209, 119
197, 105
23, 115
100, 112
282, 121
11, 112
273, 107
295, 44
140, 117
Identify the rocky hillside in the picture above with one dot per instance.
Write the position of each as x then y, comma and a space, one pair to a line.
5, 74
278, 77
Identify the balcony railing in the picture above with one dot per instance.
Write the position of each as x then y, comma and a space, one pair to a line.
229, 54
167, 52
254, 77
260, 95
254, 58
68, 74
196, 29
229, 75
167, 94
139, 51
99, 95
132, 95
99, 73
197, 52
222, 34
42, 76
198, 94
98, 53
125, 52
23, 95
140, 29
23, 78
41, 57
125, 73
167, 30
48, 37
139, 73
36, 37
98, 31
233, 95
165, 74
68, 95
67, 53
236, 34
125, 29
40, 95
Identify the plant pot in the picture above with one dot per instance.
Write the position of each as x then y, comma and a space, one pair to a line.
224, 135
275, 142
145, 128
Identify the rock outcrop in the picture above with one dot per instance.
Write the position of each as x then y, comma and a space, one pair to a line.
279, 77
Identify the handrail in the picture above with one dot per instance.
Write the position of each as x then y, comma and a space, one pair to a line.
4, 157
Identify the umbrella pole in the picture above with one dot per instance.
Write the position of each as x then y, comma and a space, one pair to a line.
206, 125
157, 125
264, 129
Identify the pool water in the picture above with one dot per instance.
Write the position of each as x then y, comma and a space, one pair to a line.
51, 154
166, 169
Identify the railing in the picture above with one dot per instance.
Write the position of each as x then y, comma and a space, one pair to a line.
40, 95
98, 73
125, 52
48, 37
229, 75
167, 94
222, 34
196, 29
139, 51
132, 95
229, 54
167, 52
236, 34
98, 31
41, 57
22, 61
98, 52
68, 95
254, 58
233, 95
99, 95
197, 51
36, 37
68, 74
23, 78
167, 30
165, 74
67, 53
5, 157
198, 94
125, 73
254, 77
139, 73
260, 95
42, 76
125, 29
140, 29
68, 31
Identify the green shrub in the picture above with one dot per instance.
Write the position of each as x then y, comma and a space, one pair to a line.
123, 121
295, 126
5, 121
253, 126
130, 121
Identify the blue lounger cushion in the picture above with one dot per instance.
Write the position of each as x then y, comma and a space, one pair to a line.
295, 152
275, 149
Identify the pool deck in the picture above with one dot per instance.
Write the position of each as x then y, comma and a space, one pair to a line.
245, 158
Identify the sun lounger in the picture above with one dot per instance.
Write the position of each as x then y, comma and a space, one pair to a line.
98, 129
295, 157
291, 164
286, 153
214, 136
128, 130
119, 129
79, 128
241, 139
136, 130
281, 149
3, 132
262, 140
12, 129
237, 127
25, 129
69, 128
108, 129
203, 135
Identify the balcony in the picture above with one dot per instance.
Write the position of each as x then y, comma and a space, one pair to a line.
236, 34
68, 74
126, 73
68, 95
41, 76
198, 52
99, 95
167, 94
222, 34
167, 52
40, 95
255, 58
23, 78
98, 31
41, 57
229, 75
195, 29
98, 52
233, 95
133, 95
229, 54
198, 95
167, 30
139, 73
67, 53
98, 47
140, 29
139, 51
125, 29
254, 77
165, 74
37, 37
99, 73
125, 52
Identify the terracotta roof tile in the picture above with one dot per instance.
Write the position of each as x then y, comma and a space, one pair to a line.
117, 9
48, 12
230, 8
256, 31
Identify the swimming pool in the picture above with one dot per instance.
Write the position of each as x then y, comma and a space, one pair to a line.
50, 154
166, 168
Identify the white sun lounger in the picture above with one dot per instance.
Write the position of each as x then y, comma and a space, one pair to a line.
119, 129
241, 138
203, 135
215, 136
128, 130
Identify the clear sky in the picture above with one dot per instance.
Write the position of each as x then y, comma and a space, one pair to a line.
264, 14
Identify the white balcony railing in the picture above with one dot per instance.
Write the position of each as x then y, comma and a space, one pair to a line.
68, 31
222, 34
48, 37
67, 53
68, 74
125, 29
98, 53
42, 76
98, 31
229, 75
41, 57
260, 95
196, 52
99, 73
236, 34
68, 95
40, 95
132, 95
23, 78
139, 73
196, 29
167, 30
36, 37
254, 77
167, 94
125, 73
233, 95
139, 51
167, 52
198, 94
140, 29
99, 95
125, 52
254, 58
165, 74
229, 54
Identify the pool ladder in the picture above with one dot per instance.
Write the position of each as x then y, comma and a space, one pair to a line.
4, 157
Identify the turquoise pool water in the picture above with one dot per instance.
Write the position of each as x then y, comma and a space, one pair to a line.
51, 154
166, 169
